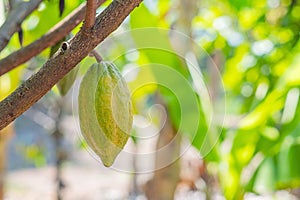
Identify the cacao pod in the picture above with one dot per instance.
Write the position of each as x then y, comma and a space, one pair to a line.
105, 111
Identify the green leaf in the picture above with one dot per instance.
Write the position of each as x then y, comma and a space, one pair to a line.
265, 178
66, 82
239, 4
171, 73
288, 167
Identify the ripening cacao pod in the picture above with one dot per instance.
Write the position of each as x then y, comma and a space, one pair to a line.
105, 113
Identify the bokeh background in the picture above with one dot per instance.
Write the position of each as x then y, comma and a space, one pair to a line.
245, 78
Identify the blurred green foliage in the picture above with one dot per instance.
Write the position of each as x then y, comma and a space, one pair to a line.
258, 41
257, 146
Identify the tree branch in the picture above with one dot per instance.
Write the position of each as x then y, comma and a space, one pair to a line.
64, 61
54, 35
90, 14
14, 19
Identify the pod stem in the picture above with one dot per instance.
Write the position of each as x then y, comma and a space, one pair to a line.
97, 56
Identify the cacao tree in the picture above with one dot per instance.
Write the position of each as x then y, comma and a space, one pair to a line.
221, 75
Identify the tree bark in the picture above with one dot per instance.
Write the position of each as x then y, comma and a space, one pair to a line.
90, 13
53, 36
164, 182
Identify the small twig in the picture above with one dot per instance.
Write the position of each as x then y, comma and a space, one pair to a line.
54, 35
95, 54
15, 17
90, 14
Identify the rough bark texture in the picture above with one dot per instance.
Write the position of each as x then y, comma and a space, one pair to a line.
64, 61
14, 19
54, 35
90, 14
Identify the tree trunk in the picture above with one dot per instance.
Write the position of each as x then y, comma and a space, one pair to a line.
163, 184
4, 135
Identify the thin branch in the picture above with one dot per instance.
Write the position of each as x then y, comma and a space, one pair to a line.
64, 61
90, 14
14, 19
54, 35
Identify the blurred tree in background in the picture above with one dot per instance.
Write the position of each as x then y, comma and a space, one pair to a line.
248, 55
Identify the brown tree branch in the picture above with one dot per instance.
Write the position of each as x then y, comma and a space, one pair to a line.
14, 19
56, 34
64, 61
90, 14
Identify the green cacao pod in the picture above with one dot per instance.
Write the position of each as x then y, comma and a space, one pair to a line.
105, 113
